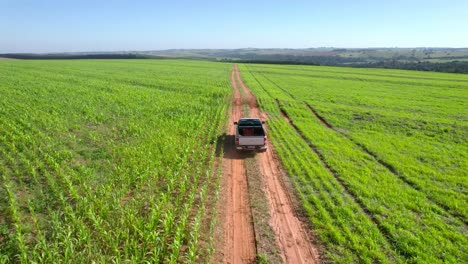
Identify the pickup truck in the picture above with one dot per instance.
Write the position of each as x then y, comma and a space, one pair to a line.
250, 134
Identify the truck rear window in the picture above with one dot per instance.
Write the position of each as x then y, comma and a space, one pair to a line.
251, 131
250, 122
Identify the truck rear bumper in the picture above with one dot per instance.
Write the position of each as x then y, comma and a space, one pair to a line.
254, 147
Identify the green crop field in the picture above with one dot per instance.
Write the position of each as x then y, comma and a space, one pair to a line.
105, 161
118, 160
379, 158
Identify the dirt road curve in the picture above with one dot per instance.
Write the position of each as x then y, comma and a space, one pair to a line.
292, 238
239, 238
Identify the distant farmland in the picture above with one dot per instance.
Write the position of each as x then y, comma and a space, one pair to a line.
113, 160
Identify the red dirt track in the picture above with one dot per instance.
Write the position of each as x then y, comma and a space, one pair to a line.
239, 245
239, 237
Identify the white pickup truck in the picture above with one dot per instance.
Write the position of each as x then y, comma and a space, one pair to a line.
250, 134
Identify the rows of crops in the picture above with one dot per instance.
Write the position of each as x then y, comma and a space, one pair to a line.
378, 158
109, 160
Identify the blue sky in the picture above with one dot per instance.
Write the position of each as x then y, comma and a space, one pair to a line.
83, 25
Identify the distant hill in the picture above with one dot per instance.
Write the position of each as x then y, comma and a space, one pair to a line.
426, 59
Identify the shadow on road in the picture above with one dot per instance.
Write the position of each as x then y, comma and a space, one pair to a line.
226, 144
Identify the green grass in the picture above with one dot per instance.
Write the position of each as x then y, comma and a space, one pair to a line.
393, 164
108, 160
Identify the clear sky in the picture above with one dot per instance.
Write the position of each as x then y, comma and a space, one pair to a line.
125, 25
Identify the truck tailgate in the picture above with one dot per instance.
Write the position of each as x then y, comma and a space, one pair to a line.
251, 141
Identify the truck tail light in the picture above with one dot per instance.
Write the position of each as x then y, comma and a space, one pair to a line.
264, 140
237, 141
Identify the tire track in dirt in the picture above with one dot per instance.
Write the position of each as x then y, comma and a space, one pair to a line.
239, 236
291, 236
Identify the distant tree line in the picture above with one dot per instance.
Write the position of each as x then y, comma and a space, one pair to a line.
401, 63
24, 56
451, 67
296, 59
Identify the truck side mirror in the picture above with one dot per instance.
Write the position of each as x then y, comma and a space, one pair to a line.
263, 122
235, 123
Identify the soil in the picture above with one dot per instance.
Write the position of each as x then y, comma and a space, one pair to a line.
239, 238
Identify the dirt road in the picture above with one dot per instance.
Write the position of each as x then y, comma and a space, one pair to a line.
239, 238
293, 240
